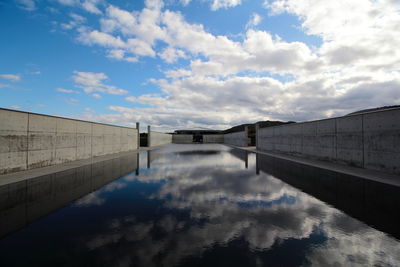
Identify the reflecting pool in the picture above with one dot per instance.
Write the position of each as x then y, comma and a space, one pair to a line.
199, 205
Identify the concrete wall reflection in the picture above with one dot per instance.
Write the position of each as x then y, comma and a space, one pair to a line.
371, 202
22, 203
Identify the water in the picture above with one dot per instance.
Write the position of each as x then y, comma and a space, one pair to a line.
199, 205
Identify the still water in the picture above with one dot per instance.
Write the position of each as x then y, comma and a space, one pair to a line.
199, 205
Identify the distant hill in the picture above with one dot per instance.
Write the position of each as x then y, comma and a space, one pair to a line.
373, 109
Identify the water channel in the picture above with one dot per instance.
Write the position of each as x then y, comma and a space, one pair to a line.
199, 205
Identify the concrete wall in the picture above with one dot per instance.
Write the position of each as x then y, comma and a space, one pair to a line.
236, 139
213, 138
158, 139
22, 203
182, 138
29, 141
369, 140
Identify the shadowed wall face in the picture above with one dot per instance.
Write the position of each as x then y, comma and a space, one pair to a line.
29, 141
182, 138
213, 138
236, 139
370, 140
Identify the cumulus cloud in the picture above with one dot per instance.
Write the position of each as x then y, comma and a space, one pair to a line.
255, 19
260, 76
11, 77
92, 82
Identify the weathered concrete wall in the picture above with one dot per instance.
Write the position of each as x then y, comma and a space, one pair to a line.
236, 139
182, 138
369, 140
22, 203
213, 138
158, 139
29, 141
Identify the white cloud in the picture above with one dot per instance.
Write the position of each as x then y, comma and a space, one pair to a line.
28, 5
255, 19
16, 107
91, 6
67, 91
260, 76
76, 20
11, 77
3, 85
92, 82
170, 54
217, 4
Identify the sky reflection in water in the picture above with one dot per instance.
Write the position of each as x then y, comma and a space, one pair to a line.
200, 205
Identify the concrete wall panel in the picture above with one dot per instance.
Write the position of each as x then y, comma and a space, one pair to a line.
158, 139
382, 141
236, 139
13, 141
325, 146
182, 138
213, 138
349, 140
42, 137
30, 141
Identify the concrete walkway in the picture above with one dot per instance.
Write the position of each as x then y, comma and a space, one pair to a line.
358, 172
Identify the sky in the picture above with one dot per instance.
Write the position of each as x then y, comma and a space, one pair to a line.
198, 64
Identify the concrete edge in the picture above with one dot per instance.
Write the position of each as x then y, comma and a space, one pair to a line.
372, 175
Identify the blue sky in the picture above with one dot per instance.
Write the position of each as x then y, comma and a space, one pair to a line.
199, 63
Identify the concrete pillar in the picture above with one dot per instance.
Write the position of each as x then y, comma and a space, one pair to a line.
257, 132
148, 136
138, 134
